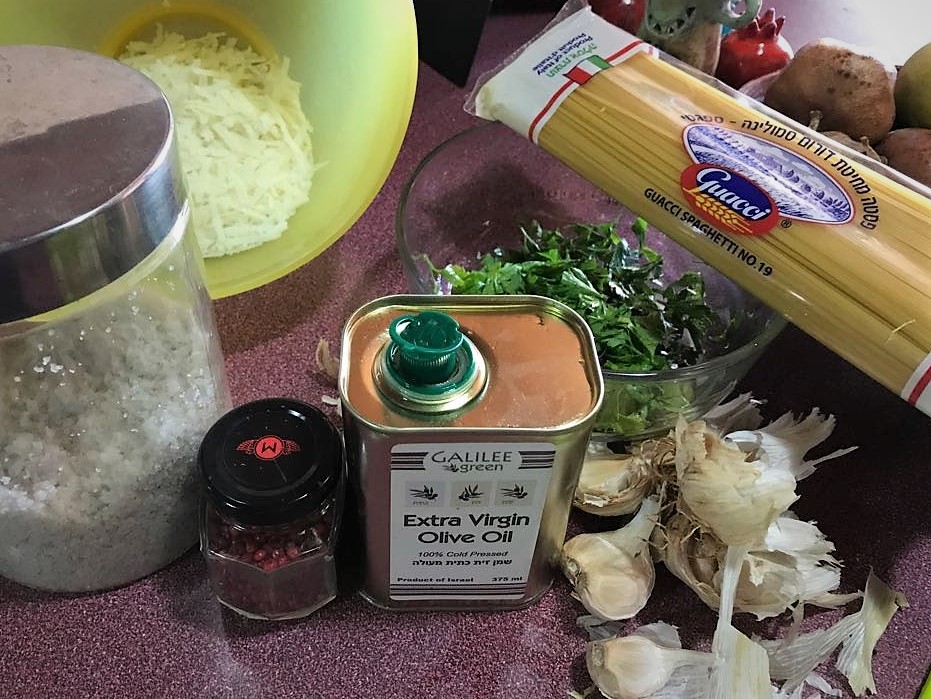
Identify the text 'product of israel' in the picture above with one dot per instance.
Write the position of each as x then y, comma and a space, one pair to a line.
837, 243
111, 366
466, 422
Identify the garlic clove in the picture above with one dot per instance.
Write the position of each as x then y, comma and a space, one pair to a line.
691, 555
612, 573
635, 666
612, 484
618, 588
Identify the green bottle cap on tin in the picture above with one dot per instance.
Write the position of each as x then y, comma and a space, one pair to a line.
426, 348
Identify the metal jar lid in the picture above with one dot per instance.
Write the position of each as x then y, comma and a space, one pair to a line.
90, 182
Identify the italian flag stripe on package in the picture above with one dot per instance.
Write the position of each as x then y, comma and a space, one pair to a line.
586, 68
837, 243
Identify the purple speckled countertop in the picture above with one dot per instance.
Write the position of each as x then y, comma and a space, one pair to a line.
166, 636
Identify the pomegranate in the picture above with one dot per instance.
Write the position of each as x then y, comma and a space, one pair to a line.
626, 14
753, 51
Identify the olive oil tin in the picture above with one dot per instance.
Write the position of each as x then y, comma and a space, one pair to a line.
466, 422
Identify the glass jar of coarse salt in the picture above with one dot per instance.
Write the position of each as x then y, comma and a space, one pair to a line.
110, 365
274, 482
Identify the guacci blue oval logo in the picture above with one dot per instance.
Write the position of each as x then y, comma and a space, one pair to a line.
728, 200
738, 169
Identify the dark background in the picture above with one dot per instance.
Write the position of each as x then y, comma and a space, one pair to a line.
448, 31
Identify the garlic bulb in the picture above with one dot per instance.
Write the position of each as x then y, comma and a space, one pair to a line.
736, 486
719, 519
692, 555
612, 572
643, 663
793, 564
724, 489
612, 484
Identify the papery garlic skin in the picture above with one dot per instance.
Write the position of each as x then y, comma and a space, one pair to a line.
784, 442
793, 659
792, 565
855, 660
741, 667
612, 573
739, 413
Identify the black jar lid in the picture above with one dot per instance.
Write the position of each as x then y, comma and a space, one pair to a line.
270, 461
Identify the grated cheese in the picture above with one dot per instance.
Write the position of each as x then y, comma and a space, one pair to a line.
244, 141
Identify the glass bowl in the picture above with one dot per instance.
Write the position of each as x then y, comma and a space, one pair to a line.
471, 195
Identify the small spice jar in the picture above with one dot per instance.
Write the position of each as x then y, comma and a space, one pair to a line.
274, 480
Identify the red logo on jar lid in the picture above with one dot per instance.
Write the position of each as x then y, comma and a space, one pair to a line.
269, 447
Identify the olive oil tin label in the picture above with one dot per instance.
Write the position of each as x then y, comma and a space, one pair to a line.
466, 421
465, 517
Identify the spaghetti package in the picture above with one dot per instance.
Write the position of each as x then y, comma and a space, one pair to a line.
840, 247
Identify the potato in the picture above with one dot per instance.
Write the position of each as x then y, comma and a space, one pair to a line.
852, 90
909, 152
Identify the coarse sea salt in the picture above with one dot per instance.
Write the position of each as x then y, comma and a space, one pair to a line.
98, 484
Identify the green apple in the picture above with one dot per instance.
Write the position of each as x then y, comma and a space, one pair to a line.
913, 90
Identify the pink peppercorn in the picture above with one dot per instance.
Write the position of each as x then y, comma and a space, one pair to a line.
274, 476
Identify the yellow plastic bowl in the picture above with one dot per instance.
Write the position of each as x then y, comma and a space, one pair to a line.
356, 62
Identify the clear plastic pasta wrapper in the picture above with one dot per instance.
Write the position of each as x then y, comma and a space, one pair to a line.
837, 243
